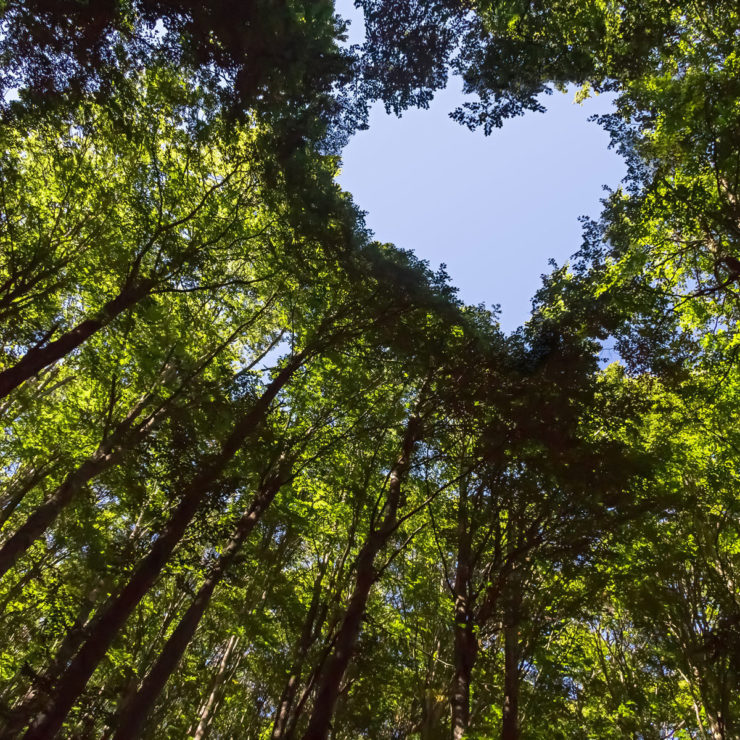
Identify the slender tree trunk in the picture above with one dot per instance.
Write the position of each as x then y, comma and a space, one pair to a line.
313, 678
336, 667
218, 679
510, 724
116, 611
466, 652
285, 704
18, 492
38, 358
331, 679
510, 727
307, 638
74, 637
466, 644
44, 683
107, 454
318, 666
134, 713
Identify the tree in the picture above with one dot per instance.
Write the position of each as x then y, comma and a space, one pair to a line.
265, 477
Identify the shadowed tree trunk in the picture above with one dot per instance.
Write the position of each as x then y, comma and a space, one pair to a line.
466, 651
127, 433
38, 358
134, 713
116, 611
331, 678
216, 684
17, 493
108, 453
510, 715
307, 638
465, 644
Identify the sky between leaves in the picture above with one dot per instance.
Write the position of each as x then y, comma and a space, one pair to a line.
493, 209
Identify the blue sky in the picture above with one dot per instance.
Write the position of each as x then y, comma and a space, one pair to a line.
494, 209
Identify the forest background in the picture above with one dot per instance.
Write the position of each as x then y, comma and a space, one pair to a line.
265, 477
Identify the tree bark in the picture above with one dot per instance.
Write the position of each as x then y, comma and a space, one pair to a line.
218, 679
38, 358
331, 679
20, 715
715, 720
466, 652
107, 454
18, 492
116, 611
126, 434
134, 712
465, 644
307, 638
510, 724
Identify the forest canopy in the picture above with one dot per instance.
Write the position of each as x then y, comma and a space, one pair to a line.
264, 477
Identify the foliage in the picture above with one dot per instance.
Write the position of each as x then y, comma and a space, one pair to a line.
264, 477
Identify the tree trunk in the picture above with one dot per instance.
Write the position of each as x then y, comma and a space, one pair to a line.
336, 667
715, 720
716, 727
432, 714
107, 454
34, 699
17, 493
133, 714
307, 638
316, 672
466, 651
466, 644
366, 575
38, 358
510, 725
218, 679
116, 611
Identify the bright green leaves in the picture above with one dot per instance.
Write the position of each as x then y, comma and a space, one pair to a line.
578, 523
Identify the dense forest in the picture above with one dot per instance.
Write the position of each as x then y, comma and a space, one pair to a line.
264, 477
